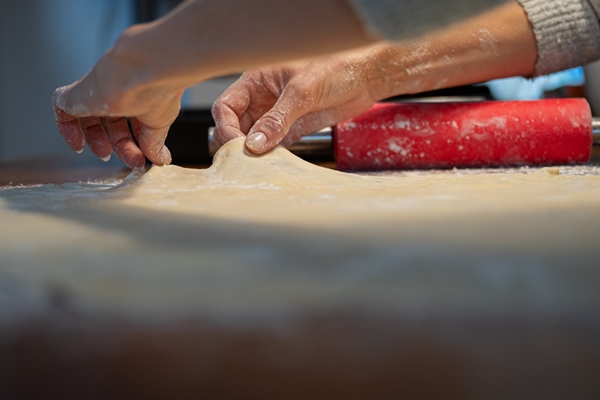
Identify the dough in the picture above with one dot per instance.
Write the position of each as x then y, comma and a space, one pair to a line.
276, 235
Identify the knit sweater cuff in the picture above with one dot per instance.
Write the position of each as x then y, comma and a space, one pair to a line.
394, 20
567, 33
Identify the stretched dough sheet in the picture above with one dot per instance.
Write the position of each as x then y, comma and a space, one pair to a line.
272, 236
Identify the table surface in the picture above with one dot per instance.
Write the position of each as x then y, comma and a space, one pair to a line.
54, 169
56, 353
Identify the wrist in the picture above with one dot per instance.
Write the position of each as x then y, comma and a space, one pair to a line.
392, 71
139, 62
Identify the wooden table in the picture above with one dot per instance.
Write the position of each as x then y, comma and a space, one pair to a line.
52, 350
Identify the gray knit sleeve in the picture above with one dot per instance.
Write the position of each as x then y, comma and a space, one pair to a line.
402, 19
567, 32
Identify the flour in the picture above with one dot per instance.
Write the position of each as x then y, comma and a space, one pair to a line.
488, 42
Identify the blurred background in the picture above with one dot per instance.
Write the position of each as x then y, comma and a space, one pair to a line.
46, 44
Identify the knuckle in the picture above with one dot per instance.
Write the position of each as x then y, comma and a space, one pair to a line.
298, 89
88, 123
114, 120
216, 109
112, 124
275, 122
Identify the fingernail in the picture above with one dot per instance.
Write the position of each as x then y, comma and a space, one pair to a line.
256, 141
105, 159
79, 151
164, 156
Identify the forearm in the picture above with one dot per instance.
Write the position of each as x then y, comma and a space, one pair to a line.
497, 44
204, 38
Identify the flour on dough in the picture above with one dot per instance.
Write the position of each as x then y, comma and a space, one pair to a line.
279, 187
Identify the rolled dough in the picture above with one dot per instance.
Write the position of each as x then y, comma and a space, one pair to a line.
275, 235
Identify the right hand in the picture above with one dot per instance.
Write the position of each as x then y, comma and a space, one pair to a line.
281, 104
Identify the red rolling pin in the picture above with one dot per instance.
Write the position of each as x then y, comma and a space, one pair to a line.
467, 134
461, 134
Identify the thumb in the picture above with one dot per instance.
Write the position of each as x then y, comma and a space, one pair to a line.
151, 130
272, 127
152, 144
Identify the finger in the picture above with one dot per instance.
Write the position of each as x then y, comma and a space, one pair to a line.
272, 127
136, 127
227, 124
152, 143
96, 137
228, 111
70, 130
122, 142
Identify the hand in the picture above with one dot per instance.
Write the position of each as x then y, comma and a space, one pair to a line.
280, 104
93, 110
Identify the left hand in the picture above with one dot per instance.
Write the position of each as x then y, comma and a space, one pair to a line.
94, 110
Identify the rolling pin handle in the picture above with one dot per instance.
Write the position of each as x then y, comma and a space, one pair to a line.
315, 144
596, 131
